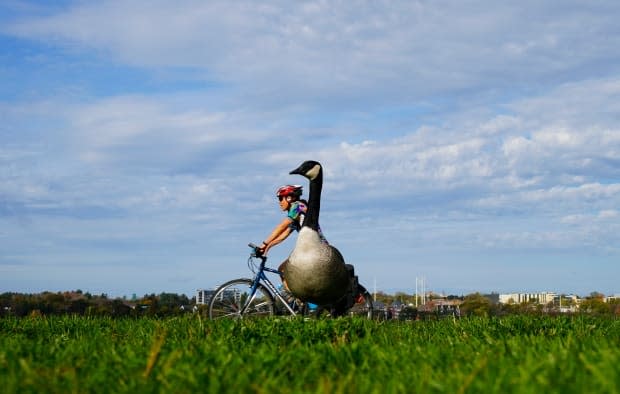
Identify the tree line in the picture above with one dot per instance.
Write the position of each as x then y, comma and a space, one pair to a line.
405, 307
86, 304
171, 304
478, 305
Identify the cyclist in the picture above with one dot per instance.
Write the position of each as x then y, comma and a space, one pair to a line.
290, 200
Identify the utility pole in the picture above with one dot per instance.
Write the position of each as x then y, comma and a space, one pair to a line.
375, 290
421, 284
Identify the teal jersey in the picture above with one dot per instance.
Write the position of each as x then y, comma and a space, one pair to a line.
297, 213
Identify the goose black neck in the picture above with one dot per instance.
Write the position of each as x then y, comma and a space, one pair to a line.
314, 202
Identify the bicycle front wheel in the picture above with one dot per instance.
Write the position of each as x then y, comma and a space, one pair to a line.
235, 300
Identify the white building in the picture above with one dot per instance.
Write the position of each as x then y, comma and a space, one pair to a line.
203, 296
612, 298
519, 298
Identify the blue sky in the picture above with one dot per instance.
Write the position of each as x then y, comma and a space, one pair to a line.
475, 143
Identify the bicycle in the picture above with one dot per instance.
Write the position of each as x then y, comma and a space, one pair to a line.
259, 297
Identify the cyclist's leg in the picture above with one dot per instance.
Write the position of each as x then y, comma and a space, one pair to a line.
284, 290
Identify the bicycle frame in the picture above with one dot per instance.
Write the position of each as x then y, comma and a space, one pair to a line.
261, 277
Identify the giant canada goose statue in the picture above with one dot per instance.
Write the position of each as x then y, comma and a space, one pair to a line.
315, 271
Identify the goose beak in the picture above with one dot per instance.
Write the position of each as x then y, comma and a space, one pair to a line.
296, 171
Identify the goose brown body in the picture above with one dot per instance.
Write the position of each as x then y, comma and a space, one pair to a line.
315, 271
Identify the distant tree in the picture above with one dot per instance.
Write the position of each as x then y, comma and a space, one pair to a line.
508, 308
614, 306
78, 306
596, 294
118, 308
476, 305
52, 303
387, 299
405, 298
171, 303
149, 305
595, 305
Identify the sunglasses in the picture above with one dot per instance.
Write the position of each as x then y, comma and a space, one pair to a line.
280, 198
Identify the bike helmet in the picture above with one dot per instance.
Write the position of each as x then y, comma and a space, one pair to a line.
289, 190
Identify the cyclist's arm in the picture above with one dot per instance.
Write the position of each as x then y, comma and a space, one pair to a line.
279, 234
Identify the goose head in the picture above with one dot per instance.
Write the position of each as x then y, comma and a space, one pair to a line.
313, 171
310, 169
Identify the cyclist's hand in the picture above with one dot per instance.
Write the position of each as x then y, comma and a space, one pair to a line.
259, 250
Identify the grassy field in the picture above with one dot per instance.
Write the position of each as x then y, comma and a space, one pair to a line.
518, 354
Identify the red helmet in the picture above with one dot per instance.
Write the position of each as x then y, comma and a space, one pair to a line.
289, 190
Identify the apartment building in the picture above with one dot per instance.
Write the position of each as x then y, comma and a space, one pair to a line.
519, 298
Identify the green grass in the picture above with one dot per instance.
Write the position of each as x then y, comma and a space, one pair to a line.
518, 354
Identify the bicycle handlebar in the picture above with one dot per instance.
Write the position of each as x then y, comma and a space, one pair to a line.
256, 251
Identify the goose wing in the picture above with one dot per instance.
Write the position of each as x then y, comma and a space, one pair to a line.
336, 255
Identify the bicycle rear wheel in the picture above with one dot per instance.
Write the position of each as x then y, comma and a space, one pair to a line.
363, 304
233, 300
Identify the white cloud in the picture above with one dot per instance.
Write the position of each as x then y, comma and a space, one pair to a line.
472, 127
608, 214
581, 193
403, 51
499, 161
